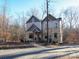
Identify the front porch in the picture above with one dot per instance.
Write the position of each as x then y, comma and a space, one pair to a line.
35, 36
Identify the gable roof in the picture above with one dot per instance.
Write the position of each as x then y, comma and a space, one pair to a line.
34, 28
33, 19
50, 17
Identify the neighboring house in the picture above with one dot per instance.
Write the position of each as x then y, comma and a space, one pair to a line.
37, 29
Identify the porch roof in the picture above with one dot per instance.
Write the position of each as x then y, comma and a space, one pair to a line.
34, 28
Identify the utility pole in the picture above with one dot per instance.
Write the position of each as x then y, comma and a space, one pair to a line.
47, 21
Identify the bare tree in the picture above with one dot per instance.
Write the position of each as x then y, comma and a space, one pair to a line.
71, 21
23, 26
4, 19
71, 17
15, 30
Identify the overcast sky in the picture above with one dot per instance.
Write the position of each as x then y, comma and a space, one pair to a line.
19, 6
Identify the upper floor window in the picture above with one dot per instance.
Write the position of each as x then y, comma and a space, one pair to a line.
56, 25
30, 35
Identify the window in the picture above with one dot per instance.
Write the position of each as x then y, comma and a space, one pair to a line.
55, 35
45, 37
56, 25
30, 35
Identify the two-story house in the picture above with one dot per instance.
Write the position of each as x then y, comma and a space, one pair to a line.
37, 30
33, 28
54, 28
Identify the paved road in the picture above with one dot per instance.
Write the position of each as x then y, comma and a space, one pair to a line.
41, 53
